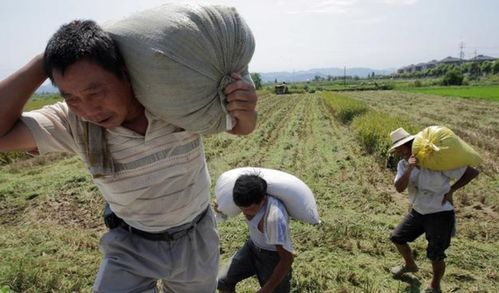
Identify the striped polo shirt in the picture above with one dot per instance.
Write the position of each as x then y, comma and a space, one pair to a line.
160, 179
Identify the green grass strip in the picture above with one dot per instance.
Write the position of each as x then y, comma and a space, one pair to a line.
344, 108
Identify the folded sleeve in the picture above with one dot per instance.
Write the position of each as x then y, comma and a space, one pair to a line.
50, 128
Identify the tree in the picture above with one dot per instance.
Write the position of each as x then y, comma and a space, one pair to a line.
440, 70
453, 77
465, 67
486, 67
475, 70
257, 79
495, 67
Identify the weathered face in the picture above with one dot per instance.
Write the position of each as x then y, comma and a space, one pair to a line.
252, 210
404, 151
96, 94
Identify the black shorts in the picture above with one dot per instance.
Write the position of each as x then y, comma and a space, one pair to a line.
250, 261
437, 227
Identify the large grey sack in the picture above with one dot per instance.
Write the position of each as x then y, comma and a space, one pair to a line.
180, 57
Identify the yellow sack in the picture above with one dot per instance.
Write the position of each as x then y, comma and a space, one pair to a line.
438, 148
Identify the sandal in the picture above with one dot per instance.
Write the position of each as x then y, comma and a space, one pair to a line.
400, 270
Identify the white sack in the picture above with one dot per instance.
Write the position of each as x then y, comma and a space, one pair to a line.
180, 57
294, 193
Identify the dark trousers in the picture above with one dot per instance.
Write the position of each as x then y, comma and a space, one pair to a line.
437, 227
249, 261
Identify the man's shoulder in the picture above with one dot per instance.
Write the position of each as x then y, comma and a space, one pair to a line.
401, 166
276, 202
59, 108
402, 163
57, 113
276, 212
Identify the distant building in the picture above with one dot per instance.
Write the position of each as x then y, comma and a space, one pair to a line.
451, 60
419, 67
429, 65
405, 69
482, 58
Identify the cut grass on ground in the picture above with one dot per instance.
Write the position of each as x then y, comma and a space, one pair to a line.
49, 239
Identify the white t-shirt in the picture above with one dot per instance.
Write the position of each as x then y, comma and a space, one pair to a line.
427, 188
275, 226
160, 180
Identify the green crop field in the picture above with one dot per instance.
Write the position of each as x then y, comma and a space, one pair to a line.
50, 210
39, 101
472, 92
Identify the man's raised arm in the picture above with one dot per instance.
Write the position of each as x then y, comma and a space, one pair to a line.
15, 91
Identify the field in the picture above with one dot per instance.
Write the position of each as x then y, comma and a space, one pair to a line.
50, 210
476, 121
472, 92
41, 100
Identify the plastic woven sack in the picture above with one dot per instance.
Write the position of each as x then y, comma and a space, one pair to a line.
438, 148
180, 57
294, 193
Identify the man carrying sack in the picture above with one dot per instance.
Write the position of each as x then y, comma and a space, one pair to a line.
268, 253
152, 173
432, 210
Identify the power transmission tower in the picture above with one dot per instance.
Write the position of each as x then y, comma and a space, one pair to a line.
461, 51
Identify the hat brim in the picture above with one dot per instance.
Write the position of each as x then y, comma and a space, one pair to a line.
400, 142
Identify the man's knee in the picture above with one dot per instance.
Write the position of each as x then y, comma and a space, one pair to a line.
435, 254
397, 239
436, 247
223, 285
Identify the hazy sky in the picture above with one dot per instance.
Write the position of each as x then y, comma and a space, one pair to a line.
291, 35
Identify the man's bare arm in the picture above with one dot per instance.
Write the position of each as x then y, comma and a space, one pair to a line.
402, 183
15, 91
470, 174
281, 269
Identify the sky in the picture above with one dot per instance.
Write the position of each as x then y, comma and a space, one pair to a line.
290, 35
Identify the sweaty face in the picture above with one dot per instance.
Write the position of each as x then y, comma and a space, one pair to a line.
96, 94
252, 210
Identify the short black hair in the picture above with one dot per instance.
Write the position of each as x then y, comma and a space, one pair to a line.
249, 189
82, 39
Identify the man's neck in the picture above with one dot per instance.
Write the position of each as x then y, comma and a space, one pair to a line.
138, 121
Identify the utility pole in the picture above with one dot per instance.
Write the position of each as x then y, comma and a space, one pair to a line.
344, 75
461, 51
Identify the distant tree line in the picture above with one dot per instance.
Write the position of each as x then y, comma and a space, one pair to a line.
450, 74
453, 74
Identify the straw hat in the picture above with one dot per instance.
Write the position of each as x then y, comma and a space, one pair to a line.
399, 136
